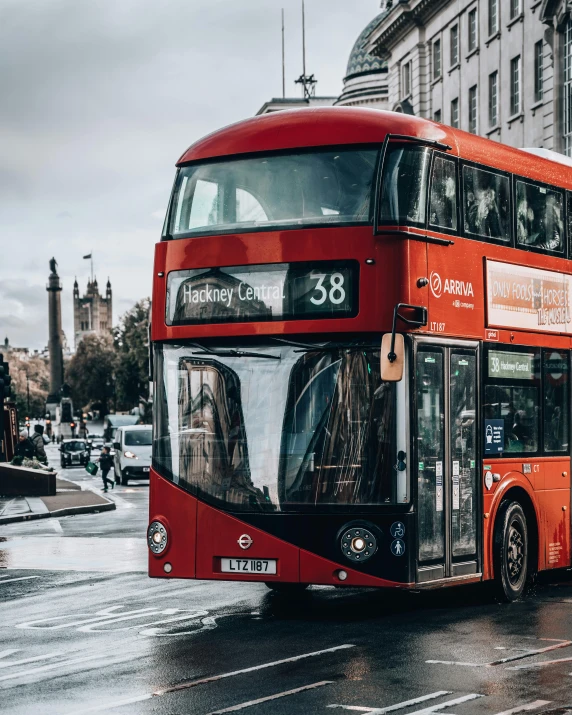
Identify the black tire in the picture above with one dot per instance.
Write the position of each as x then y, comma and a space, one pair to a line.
124, 481
292, 588
511, 552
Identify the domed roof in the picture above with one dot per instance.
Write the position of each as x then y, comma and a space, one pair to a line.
360, 61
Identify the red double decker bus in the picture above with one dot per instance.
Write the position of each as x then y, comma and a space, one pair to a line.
361, 337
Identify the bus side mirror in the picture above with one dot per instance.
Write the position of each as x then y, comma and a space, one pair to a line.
116, 445
392, 370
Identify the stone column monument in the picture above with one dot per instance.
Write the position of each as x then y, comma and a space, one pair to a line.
54, 288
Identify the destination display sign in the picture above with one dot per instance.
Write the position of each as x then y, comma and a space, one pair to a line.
514, 366
281, 291
528, 298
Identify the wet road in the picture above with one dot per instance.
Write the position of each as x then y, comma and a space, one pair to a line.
83, 630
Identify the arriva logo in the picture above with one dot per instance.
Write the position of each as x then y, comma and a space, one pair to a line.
450, 286
436, 284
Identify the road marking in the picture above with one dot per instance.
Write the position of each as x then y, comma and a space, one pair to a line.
6, 653
528, 654
9, 664
44, 668
397, 706
111, 706
20, 578
213, 678
510, 659
250, 703
541, 664
55, 524
524, 708
446, 704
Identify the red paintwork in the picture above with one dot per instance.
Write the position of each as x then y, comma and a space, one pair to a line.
179, 516
200, 534
401, 257
548, 490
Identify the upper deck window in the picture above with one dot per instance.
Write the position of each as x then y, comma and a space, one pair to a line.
539, 217
274, 191
486, 208
404, 185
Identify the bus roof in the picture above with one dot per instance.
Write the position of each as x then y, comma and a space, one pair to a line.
336, 126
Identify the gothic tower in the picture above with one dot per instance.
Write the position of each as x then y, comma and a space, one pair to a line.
92, 314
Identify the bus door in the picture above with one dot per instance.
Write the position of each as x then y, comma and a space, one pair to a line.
445, 428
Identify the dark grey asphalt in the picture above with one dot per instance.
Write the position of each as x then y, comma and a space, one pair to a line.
82, 629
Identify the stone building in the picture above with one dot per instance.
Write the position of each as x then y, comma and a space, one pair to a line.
498, 68
92, 314
365, 83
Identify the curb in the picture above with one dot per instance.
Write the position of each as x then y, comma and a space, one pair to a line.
67, 511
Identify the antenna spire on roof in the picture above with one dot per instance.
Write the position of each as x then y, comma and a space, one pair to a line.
308, 82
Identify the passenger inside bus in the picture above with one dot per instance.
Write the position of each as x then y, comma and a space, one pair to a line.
539, 217
486, 203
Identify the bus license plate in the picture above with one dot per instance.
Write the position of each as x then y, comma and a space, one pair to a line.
262, 566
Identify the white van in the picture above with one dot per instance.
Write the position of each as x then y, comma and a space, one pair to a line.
132, 447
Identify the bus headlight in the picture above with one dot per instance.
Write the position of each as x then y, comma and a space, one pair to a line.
157, 537
358, 542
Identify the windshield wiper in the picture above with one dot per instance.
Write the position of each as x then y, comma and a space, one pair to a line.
332, 345
235, 353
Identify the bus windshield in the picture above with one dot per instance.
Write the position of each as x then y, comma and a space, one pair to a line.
317, 188
308, 429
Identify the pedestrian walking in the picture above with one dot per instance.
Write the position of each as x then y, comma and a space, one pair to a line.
25, 447
38, 442
106, 462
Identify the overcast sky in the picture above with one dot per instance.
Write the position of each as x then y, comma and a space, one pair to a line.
100, 98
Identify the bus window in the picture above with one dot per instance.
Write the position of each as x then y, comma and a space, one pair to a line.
539, 217
513, 395
486, 204
404, 185
569, 227
443, 205
318, 188
556, 401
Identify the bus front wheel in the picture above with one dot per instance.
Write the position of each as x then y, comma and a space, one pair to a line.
511, 547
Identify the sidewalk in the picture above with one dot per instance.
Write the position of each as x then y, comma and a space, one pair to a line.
69, 499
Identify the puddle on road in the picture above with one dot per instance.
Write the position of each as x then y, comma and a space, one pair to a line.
73, 554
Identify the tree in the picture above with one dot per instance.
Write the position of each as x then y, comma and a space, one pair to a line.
90, 374
131, 340
29, 374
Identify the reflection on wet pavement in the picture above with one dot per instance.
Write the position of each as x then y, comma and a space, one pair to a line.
58, 553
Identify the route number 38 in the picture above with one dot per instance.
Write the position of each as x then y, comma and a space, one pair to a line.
336, 294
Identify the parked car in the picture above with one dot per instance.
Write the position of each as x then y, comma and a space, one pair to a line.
132, 447
74, 452
96, 441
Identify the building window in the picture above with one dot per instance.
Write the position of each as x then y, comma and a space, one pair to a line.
515, 86
515, 8
437, 115
473, 106
406, 80
538, 70
454, 59
473, 38
455, 113
437, 59
493, 17
493, 99
568, 88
